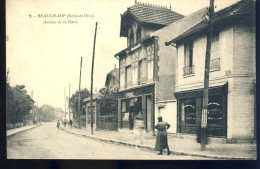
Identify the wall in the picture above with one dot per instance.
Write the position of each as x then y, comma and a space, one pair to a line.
133, 59
95, 109
237, 67
243, 87
166, 66
199, 51
168, 113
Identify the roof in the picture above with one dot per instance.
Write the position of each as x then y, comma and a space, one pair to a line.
114, 73
148, 13
94, 97
182, 25
240, 8
127, 49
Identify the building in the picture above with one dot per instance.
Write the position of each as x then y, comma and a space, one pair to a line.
145, 80
112, 79
232, 74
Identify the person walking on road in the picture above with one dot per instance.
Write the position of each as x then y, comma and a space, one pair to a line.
161, 139
58, 124
70, 123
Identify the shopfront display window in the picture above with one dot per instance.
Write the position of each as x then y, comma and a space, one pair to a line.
215, 115
190, 111
190, 115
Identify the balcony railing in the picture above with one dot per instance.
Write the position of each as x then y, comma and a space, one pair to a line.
128, 84
142, 80
215, 64
188, 70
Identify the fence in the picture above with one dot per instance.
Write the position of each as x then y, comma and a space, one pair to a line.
107, 123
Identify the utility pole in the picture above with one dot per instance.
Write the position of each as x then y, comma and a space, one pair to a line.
92, 70
79, 94
204, 116
69, 102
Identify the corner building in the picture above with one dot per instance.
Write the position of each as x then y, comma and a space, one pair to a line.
141, 86
232, 101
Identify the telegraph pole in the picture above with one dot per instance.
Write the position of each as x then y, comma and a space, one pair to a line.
92, 70
204, 116
79, 94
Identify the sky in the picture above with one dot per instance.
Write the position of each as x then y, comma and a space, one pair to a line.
46, 57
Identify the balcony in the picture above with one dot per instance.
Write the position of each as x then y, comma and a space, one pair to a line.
215, 64
188, 70
142, 80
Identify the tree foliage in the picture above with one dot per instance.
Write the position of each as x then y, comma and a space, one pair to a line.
18, 102
84, 93
48, 113
108, 101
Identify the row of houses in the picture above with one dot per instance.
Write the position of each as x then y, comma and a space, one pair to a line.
161, 70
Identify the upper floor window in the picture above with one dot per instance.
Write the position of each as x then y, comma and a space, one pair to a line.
131, 38
128, 76
142, 71
214, 53
138, 34
188, 59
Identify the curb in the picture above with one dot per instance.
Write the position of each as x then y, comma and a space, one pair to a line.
22, 130
153, 149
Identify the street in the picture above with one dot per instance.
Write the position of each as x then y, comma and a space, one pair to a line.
47, 142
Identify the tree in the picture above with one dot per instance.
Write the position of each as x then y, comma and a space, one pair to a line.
108, 101
84, 93
19, 103
47, 113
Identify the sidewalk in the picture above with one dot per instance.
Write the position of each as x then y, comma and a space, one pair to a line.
17, 130
177, 145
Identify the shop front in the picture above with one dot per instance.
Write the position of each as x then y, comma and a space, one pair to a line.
190, 108
136, 109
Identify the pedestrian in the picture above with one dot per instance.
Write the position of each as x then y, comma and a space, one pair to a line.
70, 123
161, 139
58, 124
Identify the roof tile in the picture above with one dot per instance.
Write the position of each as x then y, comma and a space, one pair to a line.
154, 14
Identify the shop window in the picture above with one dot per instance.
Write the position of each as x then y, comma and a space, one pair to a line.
190, 111
137, 109
215, 108
125, 113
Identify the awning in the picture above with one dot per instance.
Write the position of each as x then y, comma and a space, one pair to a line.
216, 90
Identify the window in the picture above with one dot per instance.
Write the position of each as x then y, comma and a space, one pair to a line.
142, 71
214, 53
190, 111
125, 113
215, 114
128, 76
138, 34
188, 59
131, 38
